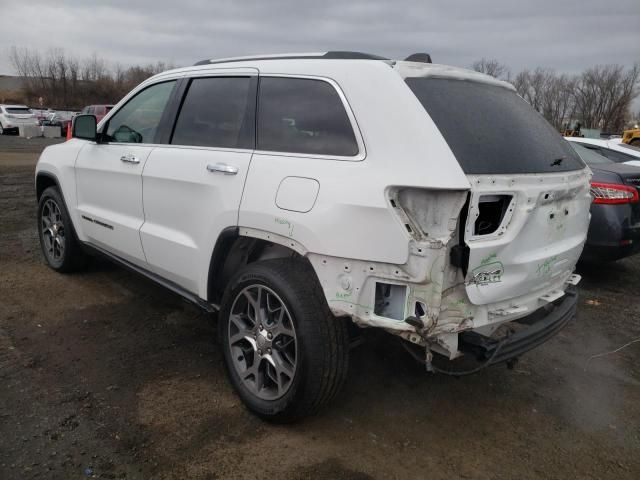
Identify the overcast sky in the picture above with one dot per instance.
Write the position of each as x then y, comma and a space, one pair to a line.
567, 35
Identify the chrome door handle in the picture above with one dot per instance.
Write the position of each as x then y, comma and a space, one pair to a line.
129, 158
223, 168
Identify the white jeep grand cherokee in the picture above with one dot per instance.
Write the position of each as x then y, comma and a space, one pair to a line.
297, 193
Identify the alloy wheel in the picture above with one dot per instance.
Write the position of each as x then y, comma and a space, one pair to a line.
263, 342
53, 231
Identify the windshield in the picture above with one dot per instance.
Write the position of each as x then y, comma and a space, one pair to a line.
589, 156
18, 110
491, 130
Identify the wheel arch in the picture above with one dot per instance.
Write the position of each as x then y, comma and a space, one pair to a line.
234, 249
45, 180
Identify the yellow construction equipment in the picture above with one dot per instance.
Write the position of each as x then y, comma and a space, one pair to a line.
632, 137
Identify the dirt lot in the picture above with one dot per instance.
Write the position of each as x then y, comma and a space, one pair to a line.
105, 375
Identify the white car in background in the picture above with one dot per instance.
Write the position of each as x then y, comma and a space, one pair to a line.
300, 196
612, 148
13, 116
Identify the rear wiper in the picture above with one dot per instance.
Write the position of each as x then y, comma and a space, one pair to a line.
557, 162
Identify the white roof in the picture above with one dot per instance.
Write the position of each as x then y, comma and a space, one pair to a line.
315, 64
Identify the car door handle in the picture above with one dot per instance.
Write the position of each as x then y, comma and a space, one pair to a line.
129, 158
223, 168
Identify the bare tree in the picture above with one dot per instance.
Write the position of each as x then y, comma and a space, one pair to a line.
66, 82
492, 67
604, 95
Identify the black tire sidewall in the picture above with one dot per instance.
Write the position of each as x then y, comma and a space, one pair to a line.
71, 245
306, 358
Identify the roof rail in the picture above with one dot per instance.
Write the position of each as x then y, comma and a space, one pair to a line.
333, 55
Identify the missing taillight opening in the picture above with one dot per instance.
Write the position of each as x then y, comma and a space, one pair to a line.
491, 211
390, 300
613, 193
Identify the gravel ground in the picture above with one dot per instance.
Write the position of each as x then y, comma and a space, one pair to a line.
106, 375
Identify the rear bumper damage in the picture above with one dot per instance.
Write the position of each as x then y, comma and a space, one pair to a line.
536, 329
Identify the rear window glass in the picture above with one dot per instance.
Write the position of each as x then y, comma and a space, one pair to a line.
589, 155
634, 150
18, 110
491, 130
303, 116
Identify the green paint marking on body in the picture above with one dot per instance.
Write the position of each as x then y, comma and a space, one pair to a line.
489, 258
284, 221
544, 268
351, 303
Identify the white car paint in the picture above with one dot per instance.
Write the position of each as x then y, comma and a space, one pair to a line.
612, 144
389, 214
9, 120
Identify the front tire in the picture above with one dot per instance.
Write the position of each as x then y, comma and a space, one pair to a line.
60, 247
285, 353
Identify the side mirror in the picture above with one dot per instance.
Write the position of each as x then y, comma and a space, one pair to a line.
85, 127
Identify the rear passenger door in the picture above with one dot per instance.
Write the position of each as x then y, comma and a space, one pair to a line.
193, 185
307, 168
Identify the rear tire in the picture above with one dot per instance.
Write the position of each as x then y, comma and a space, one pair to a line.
60, 246
288, 357
635, 142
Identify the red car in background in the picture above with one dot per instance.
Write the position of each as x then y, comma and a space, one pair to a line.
98, 110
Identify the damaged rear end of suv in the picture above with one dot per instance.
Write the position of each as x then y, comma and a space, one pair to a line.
490, 270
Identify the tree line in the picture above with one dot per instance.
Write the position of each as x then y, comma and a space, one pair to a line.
63, 81
600, 97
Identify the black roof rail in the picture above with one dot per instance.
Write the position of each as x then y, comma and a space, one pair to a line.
352, 56
333, 55
419, 57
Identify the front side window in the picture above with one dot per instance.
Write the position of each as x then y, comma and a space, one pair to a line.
303, 116
214, 114
138, 120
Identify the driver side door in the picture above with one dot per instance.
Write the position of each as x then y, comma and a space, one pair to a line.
109, 173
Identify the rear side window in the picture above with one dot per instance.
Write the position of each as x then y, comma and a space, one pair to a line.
491, 130
303, 116
213, 114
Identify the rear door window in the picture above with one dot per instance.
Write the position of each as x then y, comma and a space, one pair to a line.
303, 116
491, 130
215, 114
